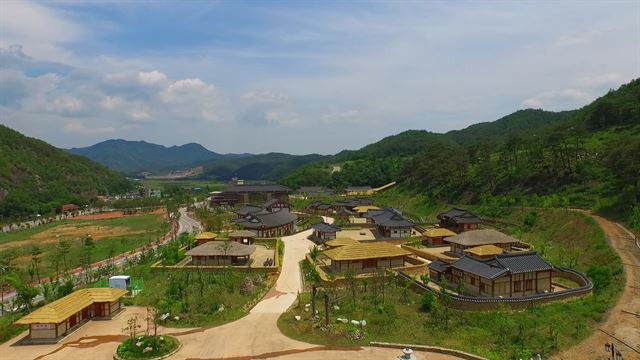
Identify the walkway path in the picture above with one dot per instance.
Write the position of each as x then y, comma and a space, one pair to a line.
620, 323
255, 336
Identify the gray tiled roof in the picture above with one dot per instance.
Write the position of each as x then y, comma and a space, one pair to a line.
459, 216
479, 268
324, 227
391, 218
267, 219
439, 265
272, 202
248, 209
523, 262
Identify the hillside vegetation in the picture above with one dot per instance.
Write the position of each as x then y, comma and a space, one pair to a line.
587, 157
36, 177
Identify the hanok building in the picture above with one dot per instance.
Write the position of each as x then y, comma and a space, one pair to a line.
248, 210
358, 190
204, 237
314, 191
436, 236
244, 194
276, 204
363, 209
344, 213
221, 253
67, 208
362, 258
246, 237
459, 220
324, 231
269, 223
352, 203
471, 239
484, 252
343, 241
390, 223
318, 207
505, 275
55, 320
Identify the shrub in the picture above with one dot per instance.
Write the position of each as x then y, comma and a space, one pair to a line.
427, 301
531, 219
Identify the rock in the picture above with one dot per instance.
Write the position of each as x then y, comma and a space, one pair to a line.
306, 306
147, 349
297, 317
336, 307
355, 322
139, 343
176, 318
344, 321
363, 322
221, 308
306, 310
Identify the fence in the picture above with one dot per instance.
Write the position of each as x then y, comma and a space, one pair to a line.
464, 302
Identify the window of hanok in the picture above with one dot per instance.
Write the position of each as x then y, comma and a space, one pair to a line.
517, 285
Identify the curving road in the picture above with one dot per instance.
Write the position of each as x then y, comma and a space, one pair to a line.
255, 336
187, 223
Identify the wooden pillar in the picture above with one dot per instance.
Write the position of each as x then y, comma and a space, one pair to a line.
314, 292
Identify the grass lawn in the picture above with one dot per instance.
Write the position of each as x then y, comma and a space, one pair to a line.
111, 237
133, 347
494, 334
197, 297
7, 329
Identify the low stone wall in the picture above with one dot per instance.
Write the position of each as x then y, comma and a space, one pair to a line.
464, 302
433, 349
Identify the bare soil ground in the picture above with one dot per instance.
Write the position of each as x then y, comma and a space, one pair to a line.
116, 215
621, 326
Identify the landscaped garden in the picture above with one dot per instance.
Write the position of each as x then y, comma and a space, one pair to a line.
395, 313
147, 347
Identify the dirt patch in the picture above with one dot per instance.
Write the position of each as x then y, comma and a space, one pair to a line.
69, 232
102, 216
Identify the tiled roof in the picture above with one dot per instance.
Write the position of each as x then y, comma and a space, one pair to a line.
242, 233
459, 216
439, 265
523, 262
266, 219
362, 251
479, 268
390, 218
325, 227
481, 237
248, 209
59, 310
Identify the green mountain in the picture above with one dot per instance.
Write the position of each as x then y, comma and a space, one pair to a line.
36, 177
586, 157
133, 157
270, 166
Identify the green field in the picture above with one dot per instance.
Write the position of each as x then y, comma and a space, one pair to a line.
562, 237
110, 237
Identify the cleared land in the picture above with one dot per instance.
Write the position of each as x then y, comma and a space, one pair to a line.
111, 237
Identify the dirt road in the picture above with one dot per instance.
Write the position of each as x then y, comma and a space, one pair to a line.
621, 326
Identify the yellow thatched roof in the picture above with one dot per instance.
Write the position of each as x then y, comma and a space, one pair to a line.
205, 235
365, 208
341, 242
485, 250
362, 251
59, 310
438, 232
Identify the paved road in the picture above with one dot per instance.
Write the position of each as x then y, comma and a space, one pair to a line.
187, 223
256, 336
621, 323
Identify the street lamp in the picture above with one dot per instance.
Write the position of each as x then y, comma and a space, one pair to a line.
610, 348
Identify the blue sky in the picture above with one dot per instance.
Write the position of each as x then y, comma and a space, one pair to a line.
300, 77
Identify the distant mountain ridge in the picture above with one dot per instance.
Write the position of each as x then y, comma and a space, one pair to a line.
134, 157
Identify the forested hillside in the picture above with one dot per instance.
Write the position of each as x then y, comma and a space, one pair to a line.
36, 177
588, 157
271, 166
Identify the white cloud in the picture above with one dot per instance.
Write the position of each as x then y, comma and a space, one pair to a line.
111, 102
564, 99
152, 78
78, 127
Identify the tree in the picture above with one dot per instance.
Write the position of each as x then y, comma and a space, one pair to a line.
350, 278
87, 250
445, 301
427, 302
24, 292
36, 254
62, 250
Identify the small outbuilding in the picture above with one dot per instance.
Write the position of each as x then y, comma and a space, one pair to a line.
362, 258
459, 220
473, 238
221, 253
55, 320
324, 231
246, 237
204, 237
436, 236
